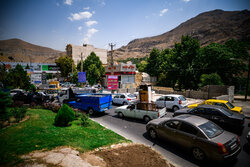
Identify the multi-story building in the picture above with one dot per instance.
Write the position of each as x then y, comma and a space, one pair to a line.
77, 51
125, 72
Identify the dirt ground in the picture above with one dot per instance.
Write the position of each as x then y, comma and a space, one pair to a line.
120, 155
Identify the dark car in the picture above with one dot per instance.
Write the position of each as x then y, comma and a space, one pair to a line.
218, 114
203, 138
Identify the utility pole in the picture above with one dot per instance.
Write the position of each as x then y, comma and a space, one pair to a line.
81, 68
112, 61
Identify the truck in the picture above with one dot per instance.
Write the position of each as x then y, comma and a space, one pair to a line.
92, 103
66, 95
142, 110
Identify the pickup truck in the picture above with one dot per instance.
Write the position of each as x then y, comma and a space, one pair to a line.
92, 102
145, 111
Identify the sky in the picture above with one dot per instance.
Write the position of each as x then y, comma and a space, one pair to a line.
56, 23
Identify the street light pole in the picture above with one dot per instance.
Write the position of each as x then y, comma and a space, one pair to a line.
248, 73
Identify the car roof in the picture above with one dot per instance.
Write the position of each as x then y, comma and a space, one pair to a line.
192, 119
210, 106
173, 95
215, 100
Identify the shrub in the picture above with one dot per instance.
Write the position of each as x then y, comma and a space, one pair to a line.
17, 103
18, 113
52, 106
5, 101
64, 116
85, 120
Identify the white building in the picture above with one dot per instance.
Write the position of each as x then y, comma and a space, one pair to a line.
85, 50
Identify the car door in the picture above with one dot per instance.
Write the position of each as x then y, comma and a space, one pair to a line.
122, 99
218, 117
130, 112
168, 130
116, 99
169, 101
160, 102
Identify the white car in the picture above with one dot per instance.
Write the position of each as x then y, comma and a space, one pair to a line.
123, 99
15, 91
172, 101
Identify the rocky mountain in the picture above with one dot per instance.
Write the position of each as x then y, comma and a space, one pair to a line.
17, 50
214, 26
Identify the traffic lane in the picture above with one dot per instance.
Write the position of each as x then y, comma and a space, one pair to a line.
136, 130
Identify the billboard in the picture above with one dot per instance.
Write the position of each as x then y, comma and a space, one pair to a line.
81, 77
112, 82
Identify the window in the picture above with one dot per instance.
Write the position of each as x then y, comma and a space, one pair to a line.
198, 111
182, 98
188, 128
211, 129
230, 105
227, 112
172, 124
161, 99
168, 98
220, 104
117, 96
122, 96
214, 112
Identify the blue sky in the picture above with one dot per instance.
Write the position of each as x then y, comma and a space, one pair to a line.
55, 23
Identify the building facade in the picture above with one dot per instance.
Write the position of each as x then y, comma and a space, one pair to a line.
85, 50
125, 72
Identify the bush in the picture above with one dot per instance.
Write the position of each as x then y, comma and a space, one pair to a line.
64, 116
18, 113
84, 120
5, 101
52, 106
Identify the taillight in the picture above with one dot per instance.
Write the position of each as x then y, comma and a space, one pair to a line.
222, 148
238, 139
128, 99
179, 101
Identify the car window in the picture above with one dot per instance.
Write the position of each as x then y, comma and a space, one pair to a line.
168, 98
214, 112
172, 124
198, 111
188, 128
122, 96
211, 129
131, 95
161, 99
182, 98
230, 105
117, 96
220, 104
226, 111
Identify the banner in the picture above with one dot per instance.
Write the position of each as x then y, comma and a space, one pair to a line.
81, 77
112, 82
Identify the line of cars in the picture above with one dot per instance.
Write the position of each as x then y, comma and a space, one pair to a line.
199, 128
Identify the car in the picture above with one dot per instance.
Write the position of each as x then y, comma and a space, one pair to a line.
218, 114
172, 101
15, 91
203, 138
223, 103
123, 99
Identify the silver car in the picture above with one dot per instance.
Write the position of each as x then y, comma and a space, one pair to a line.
202, 137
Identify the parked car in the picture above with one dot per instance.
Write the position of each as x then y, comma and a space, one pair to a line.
15, 91
203, 138
222, 103
218, 114
145, 111
123, 99
172, 101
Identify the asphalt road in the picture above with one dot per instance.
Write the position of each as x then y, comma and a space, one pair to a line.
135, 130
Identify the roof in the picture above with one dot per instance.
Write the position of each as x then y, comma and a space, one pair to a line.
215, 100
210, 106
192, 119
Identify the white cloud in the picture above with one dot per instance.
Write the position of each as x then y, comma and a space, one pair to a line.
89, 34
80, 28
186, 0
90, 23
57, 4
87, 8
93, 12
162, 12
80, 15
68, 2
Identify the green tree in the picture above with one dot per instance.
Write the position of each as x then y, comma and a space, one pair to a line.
65, 64
64, 116
210, 79
75, 77
93, 74
3, 75
18, 78
142, 66
153, 65
91, 60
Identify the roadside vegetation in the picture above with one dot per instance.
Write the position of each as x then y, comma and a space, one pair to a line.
39, 132
189, 66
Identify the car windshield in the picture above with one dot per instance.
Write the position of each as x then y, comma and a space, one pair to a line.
131, 95
227, 112
211, 129
230, 105
182, 98
52, 86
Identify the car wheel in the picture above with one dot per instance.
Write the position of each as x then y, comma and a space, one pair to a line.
146, 119
120, 115
198, 154
152, 133
91, 111
175, 108
125, 103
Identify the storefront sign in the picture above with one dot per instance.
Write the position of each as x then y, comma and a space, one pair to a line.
112, 82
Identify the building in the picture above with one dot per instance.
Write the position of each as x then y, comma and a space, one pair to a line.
85, 50
125, 72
